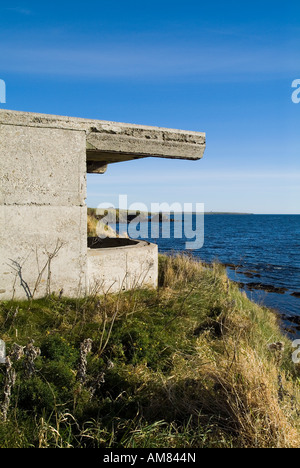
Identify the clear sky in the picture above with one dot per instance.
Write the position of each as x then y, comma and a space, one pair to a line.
221, 67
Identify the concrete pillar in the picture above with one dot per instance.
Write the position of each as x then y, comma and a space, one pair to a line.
42, 211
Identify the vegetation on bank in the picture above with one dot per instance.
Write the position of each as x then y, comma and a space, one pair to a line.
113, 216
96, 228
193, 364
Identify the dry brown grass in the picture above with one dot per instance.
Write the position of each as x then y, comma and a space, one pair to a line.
91, 226
237, 394
181, 272
234, 380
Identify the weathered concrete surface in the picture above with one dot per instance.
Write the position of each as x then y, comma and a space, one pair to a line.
28, 235
123, 268
42, 206
43, 165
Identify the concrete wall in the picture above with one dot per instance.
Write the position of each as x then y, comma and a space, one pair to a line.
42, 208
123, 268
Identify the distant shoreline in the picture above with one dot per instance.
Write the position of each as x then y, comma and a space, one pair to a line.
226, 213
206, 213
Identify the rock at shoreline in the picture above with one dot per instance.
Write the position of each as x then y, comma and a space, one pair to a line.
239, 284
292, 318
251, 275
232, 266
262, 287
266, 287
295, 294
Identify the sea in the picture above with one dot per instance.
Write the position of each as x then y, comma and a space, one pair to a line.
261, 253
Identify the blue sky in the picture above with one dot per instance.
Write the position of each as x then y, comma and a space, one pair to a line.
224, 68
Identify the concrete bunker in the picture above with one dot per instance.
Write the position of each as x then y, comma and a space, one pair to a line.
43, 216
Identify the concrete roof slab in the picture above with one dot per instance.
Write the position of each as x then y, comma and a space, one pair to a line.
110, 142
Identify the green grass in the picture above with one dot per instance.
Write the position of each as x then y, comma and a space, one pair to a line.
188, 365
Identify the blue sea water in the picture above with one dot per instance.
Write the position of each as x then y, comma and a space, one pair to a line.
265, 249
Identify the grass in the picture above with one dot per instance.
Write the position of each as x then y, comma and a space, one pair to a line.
192, 364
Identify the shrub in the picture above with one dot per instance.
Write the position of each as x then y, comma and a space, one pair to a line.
56, 348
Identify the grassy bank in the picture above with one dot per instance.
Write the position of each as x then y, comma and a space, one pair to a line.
193, 364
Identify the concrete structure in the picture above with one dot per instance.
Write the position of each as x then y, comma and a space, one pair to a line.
43, 217
122, 264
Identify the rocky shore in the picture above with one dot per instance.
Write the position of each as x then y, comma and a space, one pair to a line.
252, 285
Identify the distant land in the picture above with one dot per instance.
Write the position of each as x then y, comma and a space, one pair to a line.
226, 213
123, 216
102, 212
213, 213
